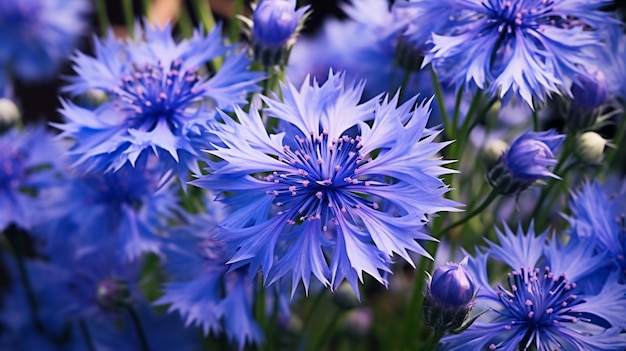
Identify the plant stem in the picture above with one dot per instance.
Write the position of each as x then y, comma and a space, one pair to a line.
87, 336
535, 120
440, 99
103, 16
488, 200
434, 341
142, 335
233, 30
129, 17
327, 332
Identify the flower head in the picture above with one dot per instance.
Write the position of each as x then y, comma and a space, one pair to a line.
590, 92
544, 303
37, 35
331, 185
159, 101
29, 160
531, 48
525, 161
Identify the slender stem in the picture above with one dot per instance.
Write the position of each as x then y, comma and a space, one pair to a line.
535, 120
87, 336
488, 200
440, 99
146, 8
405, 81
233, 30
103, 16
203, 8
457, 112
142, 335
434, 341
129, 16
327, 332
617, 141
308, 318
184, 22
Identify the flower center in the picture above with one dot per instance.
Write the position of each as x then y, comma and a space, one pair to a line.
153, 93
539, 301
322, 170
509, 15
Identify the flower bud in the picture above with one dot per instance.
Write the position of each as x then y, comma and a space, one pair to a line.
590, 92
449, 297
113, 294
275, 22
9, 114
590, 148
525, 162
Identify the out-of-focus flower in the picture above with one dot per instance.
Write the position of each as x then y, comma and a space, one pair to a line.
344, 180
29, 161
38, 35
598, 214
529, 48
545, 304
525, 162
203, 290
590, 92
9, 114
158, 100
449, 297
124, 212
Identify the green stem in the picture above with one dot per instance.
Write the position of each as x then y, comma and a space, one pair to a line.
140, 331
233, 30
146, 8
617, 141
405, 81
327, 332
457, 112
488, 200
184, 22
103, 16
129, 16
440, 99
434, 341
535, 120
308, 318
87, 336
203, 8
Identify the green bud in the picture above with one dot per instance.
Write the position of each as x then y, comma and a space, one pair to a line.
9, 114
590, 148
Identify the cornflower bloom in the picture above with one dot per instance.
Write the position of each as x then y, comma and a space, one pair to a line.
530, 48
598, 213
545, 304
29, 160
348, 181
38, 35
159, 99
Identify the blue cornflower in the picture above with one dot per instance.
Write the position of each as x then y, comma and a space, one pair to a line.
202, 289
29, 160
38, 35
124, 212
348, 181
525, 162
531, 48
598, 214
159, 101
542, 306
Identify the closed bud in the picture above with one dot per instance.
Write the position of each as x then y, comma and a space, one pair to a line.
525, 162
590, 148
275, 23
590, 92
9, 114
449, 297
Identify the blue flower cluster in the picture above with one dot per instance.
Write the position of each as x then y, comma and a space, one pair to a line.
212, 188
